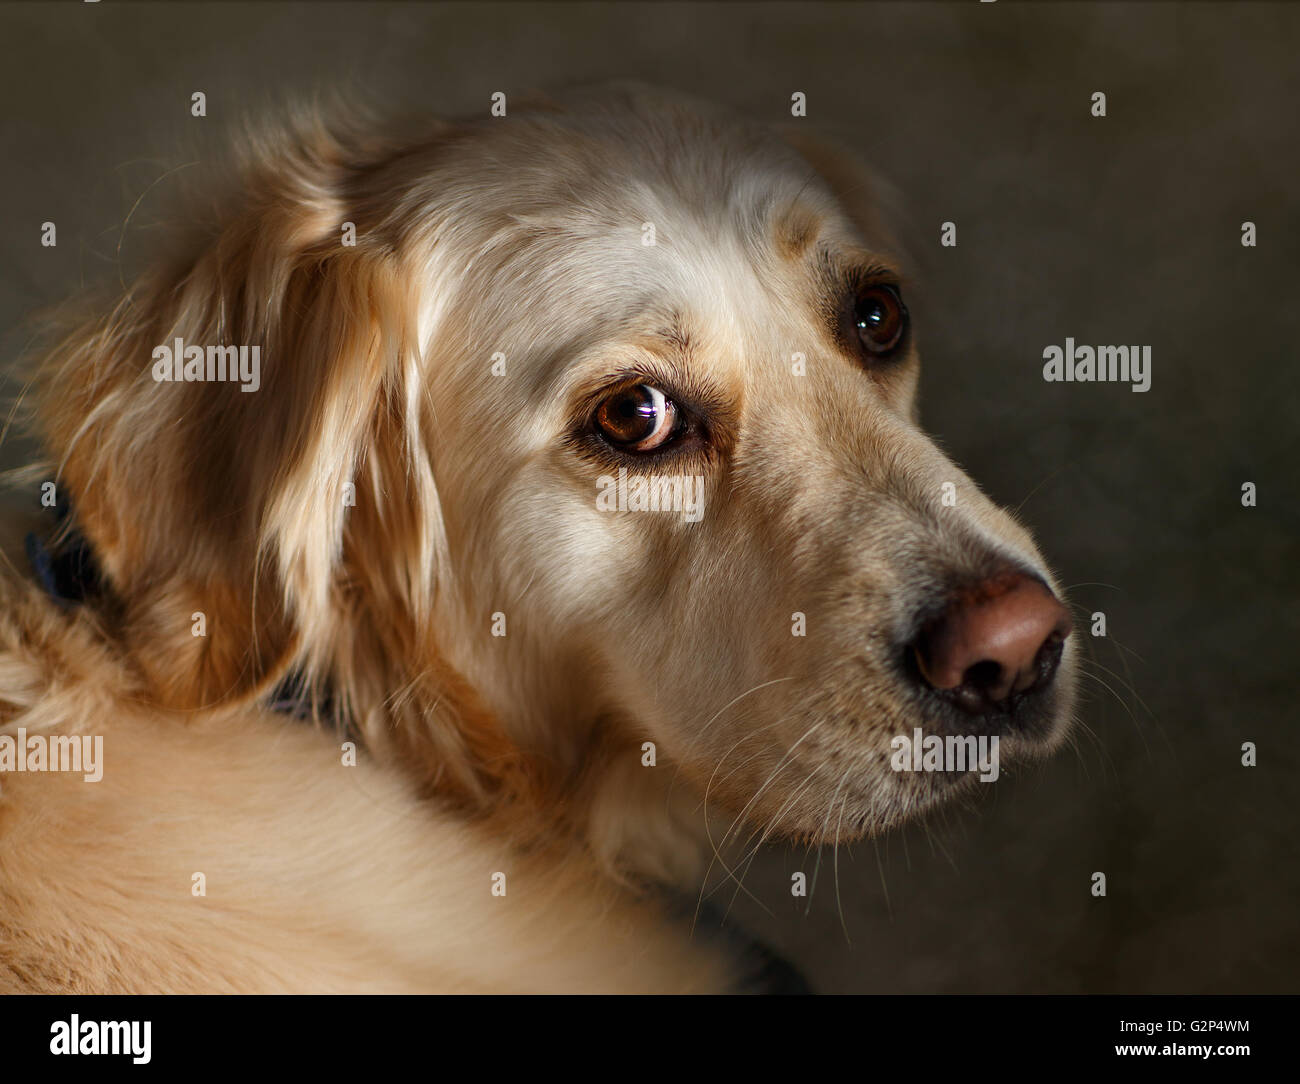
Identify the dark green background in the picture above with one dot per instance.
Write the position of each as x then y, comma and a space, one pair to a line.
1117, 230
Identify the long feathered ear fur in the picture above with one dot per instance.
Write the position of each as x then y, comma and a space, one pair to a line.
300, 519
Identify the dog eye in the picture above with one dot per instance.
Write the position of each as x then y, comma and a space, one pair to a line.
880, 318
637, 419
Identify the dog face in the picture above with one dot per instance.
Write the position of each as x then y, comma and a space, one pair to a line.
682, 308
623, 393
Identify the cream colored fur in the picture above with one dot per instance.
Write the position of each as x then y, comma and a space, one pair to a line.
473, 496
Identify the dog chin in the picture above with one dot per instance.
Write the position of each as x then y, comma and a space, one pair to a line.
911, 780
904, 802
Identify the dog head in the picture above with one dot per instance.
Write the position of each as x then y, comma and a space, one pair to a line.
602, 433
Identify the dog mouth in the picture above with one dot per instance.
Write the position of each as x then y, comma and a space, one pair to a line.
936, 750
927, 762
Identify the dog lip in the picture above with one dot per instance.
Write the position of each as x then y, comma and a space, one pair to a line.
1034, 717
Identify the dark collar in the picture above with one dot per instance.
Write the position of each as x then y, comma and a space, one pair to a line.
65, 567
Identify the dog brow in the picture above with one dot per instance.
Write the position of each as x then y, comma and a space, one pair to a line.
852, 268
676, 337
796, 227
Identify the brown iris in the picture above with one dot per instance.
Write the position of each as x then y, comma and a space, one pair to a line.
637, 419
880, 318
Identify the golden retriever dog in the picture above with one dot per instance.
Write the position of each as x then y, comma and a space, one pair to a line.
471, 531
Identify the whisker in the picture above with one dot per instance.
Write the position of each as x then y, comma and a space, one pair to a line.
884, 888
839, 903
830, 808
1120, 700
771, 777
766, 832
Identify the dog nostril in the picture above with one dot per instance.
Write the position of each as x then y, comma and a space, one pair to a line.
983, 675
1002, 637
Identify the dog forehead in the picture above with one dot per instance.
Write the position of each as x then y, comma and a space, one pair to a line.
647, 168
630, 223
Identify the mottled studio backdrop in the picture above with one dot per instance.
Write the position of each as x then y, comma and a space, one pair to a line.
1122, 229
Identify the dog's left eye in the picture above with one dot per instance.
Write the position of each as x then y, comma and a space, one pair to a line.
638, 419
880, 318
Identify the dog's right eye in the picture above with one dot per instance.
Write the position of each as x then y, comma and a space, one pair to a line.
638, 419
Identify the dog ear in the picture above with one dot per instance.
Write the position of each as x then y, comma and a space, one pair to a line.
220, 510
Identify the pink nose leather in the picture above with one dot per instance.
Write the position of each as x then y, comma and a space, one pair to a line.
990, 640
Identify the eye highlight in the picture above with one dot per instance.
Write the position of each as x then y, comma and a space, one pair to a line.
879, 319
638, 419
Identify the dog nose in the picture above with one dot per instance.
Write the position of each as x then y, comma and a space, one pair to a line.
1003, 636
